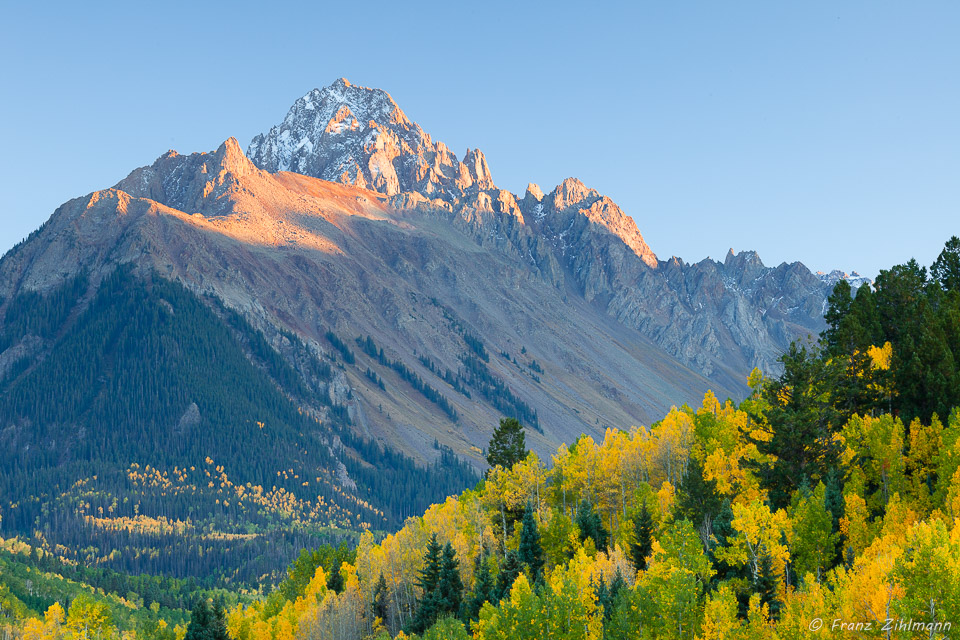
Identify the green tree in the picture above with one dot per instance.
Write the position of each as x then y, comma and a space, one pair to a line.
508, 444
798, 423
379, 605
450, 586
815, 543
699, 501
643, 537
591, 526
766, 583
946, 269
201, 625
530, 551
483, 588
509, 570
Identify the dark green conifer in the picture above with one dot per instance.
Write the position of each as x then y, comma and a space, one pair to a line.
765, 585
698, 499
604, 599
450, 585
509, 571
946, 269
591, 526
430, 574
643, 537
508, 444
530, 551
201, 625
335, 579
218, 621
379, 606
483, 588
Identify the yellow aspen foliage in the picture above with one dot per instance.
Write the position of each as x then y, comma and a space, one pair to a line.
673, 438
759, 626
952, 498
261, 631
756, 529
929, 570
34, 629
947, 462
881, 357
720, 619
54, 615
868, 591
875, 446
898, 518
666, 497
925, 442
803, 606
856, 531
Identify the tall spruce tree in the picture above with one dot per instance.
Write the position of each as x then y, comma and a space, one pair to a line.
483, 588
335, 579
201, 626
765, 585
379, 605
430, 604
591, 526
508, 444
643, 537
218, 621
509, 570
946, 269
450, 586
530, 551
800, 424
699, 501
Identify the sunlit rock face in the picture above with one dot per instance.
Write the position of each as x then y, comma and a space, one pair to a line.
359, 136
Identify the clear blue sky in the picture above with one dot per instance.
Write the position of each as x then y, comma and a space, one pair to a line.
826, 132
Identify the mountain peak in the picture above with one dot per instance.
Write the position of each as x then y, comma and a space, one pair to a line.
359, 136
230, 157
185, 182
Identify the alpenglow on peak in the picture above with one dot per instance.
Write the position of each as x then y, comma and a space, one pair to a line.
359, 136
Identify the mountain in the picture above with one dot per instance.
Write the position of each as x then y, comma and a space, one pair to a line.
311, 320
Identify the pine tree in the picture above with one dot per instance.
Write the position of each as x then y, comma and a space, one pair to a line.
604, 599
201, 622
766, 585
530, 551
483, 588
591, 526
218, 621
335, 579
431, 600
450, 586
698, 500
509, 570
379, 606
507, 446
643, 537
801, 423
430, 574
946, 269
